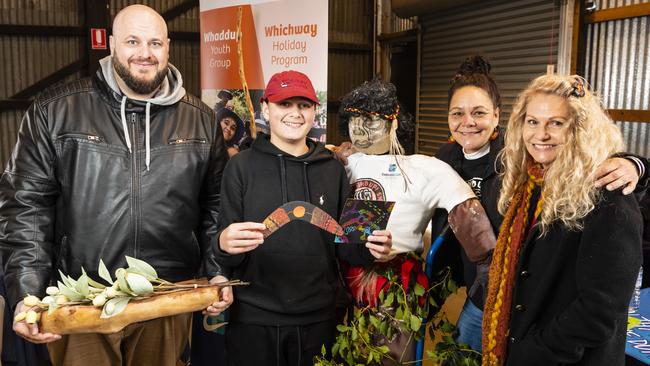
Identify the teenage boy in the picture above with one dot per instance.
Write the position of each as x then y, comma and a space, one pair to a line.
287, 312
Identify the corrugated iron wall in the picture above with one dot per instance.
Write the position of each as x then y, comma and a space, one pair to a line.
26, 59
350, 54
518, 37
618, 67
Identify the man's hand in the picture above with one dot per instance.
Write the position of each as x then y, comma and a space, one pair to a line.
30, 331
241, 237
227, 298
380, 244
342, 152
615, 173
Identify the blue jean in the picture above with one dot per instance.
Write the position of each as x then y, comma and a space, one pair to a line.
469, 326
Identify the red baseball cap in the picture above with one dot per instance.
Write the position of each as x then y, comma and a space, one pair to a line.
289, 84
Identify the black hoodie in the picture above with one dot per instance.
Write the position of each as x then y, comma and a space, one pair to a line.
293, 274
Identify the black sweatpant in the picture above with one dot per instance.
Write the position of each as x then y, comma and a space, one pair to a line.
293, 345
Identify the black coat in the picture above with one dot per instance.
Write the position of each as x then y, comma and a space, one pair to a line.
451, 253
73, 193
572, 289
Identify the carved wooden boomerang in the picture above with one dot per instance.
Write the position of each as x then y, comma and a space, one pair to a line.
303, 211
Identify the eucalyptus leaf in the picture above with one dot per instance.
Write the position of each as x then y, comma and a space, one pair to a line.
82, 284
104, 273
124, 286
141, 267
114, 306
70, 293
64, 278
139, 284
96, 284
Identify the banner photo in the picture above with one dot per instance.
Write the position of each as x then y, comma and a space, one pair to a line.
277, 35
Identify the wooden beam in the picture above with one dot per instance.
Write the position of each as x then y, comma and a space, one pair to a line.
407, 35
14, 104
179, 9
41, 30
58, 75
185, 36
631, 115
97, 16
348, 46
623, 12
578, 38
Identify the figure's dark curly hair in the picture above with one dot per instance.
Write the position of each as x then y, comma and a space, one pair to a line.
475, 71
379, 97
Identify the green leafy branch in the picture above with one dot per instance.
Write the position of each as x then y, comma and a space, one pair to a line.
364, 340
138, 281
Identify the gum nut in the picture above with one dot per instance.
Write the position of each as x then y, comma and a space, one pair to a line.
48, 300
118, 271
61, 299
31, 317
20, 316
99, 300
110, 292
52, 290
109, 308
31, 300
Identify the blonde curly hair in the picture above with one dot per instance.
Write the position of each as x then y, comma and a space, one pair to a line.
592, 137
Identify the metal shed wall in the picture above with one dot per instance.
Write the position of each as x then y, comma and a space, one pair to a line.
618, 67
26, 59
518, 37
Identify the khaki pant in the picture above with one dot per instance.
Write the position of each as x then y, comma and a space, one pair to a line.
157, 342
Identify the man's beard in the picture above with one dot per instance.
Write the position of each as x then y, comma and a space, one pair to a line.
138, 85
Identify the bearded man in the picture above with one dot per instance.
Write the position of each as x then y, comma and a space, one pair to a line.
123, 163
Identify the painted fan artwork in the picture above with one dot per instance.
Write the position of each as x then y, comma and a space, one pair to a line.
361, 217
300, 210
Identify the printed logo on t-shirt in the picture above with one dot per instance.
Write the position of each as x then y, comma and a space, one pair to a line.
392, 171
475, 184
368, 189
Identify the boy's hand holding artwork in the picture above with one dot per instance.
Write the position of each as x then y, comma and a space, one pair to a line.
380, 244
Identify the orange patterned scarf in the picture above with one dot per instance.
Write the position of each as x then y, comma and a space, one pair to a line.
512, 234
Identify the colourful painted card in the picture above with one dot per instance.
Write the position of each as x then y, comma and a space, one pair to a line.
361, 217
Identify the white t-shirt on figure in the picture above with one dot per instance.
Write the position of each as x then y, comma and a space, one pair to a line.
433, 184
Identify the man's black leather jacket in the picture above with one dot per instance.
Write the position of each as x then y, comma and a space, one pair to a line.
73, 193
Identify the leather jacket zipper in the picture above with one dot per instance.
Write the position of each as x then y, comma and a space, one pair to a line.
179, 141
135, 182
81, 136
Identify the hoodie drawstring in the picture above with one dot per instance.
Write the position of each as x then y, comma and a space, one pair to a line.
305, 182
299, 345
147, 136
277, 345
124, 126
283, 177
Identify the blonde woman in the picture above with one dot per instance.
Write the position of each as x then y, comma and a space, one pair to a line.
568, 253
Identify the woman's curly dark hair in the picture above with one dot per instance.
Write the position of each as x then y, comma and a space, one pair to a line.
379, 97
475, 71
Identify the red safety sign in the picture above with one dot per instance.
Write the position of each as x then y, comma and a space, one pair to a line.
98, 38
